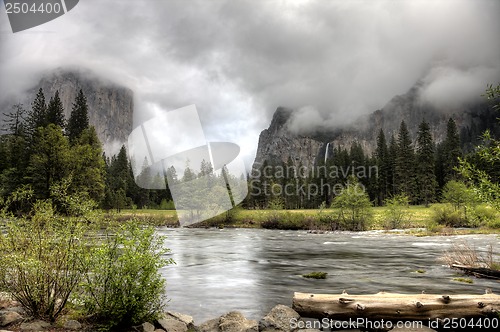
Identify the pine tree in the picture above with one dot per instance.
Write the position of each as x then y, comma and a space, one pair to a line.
88, 166
13, 151
405, 170
15, 121
37, 117
393, 152
382, 162
451, 151
426, 178
79, 119
50, 161
55, 111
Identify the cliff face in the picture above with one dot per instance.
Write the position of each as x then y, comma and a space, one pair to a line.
278, 143
110, 105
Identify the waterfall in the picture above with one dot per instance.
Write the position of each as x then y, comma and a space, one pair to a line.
326, 152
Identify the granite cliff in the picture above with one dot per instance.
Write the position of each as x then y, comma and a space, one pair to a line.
278, 143
110, 105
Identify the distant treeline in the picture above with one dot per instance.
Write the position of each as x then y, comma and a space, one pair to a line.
43, 155
418, 170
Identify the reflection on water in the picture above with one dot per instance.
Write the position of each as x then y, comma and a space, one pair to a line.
251, 270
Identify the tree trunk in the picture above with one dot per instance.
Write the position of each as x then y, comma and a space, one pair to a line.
394, 306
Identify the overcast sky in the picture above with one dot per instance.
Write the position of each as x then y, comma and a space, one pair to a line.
239, 60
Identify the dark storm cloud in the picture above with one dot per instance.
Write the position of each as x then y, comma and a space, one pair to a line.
239, 60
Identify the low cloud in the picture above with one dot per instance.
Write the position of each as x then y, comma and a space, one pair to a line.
239, 60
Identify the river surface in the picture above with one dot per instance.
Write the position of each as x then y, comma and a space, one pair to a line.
252, 270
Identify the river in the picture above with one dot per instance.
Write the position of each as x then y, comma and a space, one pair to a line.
252, 270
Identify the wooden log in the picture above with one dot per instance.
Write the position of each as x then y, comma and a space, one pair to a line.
394, 306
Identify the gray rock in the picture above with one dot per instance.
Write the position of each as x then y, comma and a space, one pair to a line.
172, 325
186, 319
20, 310
72, 325
36, 325
147, 327
211, 325
279, 319
159, 330
234, 321
9, 317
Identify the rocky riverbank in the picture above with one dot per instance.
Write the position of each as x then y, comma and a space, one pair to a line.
13, 318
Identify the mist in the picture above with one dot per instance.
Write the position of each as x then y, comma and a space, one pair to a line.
239, 60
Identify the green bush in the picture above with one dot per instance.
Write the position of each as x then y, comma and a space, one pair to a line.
40, 260
446, 215
124, 286
167, 205
396, 215
354, 206
49, 261
287, 220
483, 215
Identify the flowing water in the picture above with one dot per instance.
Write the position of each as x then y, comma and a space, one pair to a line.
252, 270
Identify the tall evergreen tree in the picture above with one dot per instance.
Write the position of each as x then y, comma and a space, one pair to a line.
50, 161
426, 178
382, 162
451, 151
55, 111
15, 121
79, 118
13, 151
405, 162
393, 153
37, 117
88, 166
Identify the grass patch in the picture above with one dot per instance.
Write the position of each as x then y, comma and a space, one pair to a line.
315, 275
420, 223
464, 280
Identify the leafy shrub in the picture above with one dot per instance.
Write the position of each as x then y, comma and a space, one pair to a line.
287, 220
483, 215
396, 213
48, 261
354, 206
447, 216
461, 197
124, 286
167, 205
40, 261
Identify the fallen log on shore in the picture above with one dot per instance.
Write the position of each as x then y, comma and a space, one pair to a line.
480, 272
394, 306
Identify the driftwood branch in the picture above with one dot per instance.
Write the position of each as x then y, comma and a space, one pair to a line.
393, 306
480, 272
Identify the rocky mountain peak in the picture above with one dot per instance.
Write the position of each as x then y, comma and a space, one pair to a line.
110, 105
